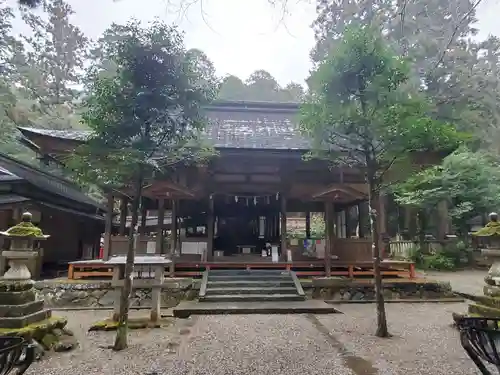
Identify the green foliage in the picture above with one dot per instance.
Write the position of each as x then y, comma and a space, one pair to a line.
358, 111
468, 181
260, 86
451, 257
147, 114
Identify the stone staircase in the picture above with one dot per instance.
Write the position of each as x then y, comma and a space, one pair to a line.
251, 292
250, 286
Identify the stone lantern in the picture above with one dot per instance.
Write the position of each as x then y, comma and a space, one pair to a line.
21, 313
22, 252
492, 232
487, 305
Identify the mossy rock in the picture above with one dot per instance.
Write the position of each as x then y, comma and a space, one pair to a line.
135, 323
486, 311
7, 286
36, 330
49, 340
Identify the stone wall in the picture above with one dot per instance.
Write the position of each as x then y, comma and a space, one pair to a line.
340, 289
69, 293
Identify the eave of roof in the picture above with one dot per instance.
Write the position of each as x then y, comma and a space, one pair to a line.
45, 181
233, 125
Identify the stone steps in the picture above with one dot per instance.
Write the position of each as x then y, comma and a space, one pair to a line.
250, 283
250, 286
251, 297
187, 308
245, 290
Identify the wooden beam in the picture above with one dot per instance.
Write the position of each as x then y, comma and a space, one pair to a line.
283, 238
329, 229
173, 244
161, 222
210, 228
108, 225
123, 215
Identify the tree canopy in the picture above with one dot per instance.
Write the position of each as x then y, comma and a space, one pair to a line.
360, 112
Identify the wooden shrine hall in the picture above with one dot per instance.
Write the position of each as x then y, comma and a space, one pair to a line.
232, 213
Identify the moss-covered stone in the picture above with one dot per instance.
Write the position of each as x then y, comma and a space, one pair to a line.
15, 286
49, 340
36, 330
135, 323
17, 298
486, 311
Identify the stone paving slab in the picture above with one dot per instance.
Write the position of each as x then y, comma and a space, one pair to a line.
187, 308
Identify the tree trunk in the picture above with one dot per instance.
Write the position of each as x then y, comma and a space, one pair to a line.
373, 201
121, 341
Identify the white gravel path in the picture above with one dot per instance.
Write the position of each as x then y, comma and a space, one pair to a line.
423, 343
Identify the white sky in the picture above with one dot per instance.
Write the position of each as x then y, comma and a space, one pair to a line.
239, 36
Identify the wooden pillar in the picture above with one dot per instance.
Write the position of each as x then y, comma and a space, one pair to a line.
308, 224
361, 221
443, 225
161, 223
347, 216
210, 228
144, 213
283, 239
123, 216
329, 236
382, 223
173, 244
108, 226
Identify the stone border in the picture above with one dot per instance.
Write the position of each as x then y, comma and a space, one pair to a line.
347, 290
62, 293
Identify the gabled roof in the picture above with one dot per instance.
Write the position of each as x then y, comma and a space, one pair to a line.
18, 170
240, 125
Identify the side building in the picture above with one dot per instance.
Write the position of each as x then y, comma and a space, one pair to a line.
74, 221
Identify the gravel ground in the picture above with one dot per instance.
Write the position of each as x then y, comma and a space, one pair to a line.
423, 343
467, 281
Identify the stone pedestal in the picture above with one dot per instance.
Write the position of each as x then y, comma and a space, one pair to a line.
21, 314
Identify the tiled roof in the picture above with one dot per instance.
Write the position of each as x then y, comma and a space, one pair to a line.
45, 181
242, 125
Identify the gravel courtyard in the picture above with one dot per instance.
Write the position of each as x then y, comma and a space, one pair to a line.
423, 343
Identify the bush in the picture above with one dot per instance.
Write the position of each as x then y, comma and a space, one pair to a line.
452, 256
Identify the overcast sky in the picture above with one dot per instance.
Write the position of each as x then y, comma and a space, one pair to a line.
239, 36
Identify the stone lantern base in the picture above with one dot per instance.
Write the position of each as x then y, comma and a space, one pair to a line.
21, 314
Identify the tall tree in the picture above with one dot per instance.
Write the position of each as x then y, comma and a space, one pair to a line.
358, 112
434, 34
232, 88
261, 84
54, 63
144, 118
292, 92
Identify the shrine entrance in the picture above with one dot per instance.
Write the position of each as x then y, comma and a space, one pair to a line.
244, 224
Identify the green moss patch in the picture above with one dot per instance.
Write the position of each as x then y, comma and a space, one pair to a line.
36, 330
134, 323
